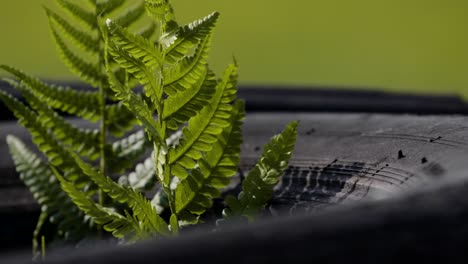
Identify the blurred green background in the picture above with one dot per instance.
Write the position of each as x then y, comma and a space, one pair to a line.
400, 45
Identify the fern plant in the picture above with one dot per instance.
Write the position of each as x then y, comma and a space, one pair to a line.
81, 46
191, 119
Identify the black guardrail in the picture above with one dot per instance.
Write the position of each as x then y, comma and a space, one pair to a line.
322, 99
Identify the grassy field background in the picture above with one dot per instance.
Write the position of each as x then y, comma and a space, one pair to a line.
398, 45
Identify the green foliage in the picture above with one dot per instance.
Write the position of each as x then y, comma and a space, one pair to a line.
257, 187
191, 120
55, 203
195, 193
81, 46
144, 214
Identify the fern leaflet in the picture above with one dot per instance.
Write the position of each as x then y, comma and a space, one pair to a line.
54, 203
203, 129
195, 193
85, 141
43, 138
143, 210
180, 107
257, 187
83, 104
87, 71
79, 37
186, 57
121, 226
85, 17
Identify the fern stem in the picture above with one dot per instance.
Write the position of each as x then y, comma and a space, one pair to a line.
163, 124
43, 248
37, 231
103, 134
102, 141
103, 126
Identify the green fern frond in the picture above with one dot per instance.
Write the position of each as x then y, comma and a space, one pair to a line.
187, 73
195, 193
82, 15
136, 105
44, 139
188, 37
40, 180
192, 164
180, 107
146, 76
187, 57
85, 141
139, 47
257, 187
124, 227
221, 162
87, 71
80, 103
80, 38
142, 208
203, 129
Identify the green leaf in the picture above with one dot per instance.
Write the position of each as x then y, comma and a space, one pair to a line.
180, 107
194, 194
136, 105
78, 37
89, 72
188, 36
85, 17
257, 187
44, 139
121, 226
209, 123
85, 141
137, 46
187, 57
80, 103
147, 76
174, 224
142, 208
54, 203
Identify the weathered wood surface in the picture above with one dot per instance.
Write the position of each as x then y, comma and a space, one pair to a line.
339, 158
401, 179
